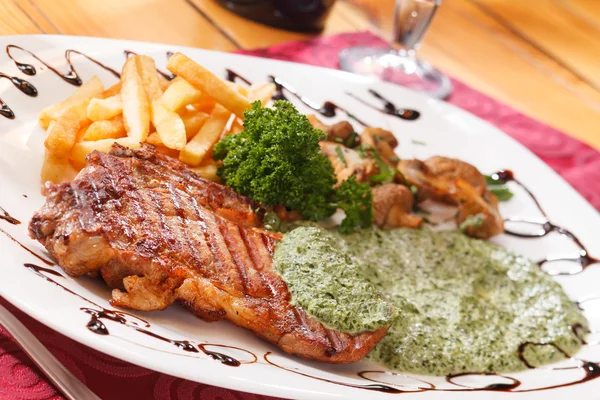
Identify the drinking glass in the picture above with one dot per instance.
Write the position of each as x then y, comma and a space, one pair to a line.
401, 66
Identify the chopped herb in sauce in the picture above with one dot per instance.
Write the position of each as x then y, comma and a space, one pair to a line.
340, 154
502, 192
326, 284
462, 305
498, 187
472, 221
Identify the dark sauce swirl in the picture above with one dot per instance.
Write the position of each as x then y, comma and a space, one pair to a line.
21, 84
389, 108
33, 253
232, 76
71, 76
6, 111
4, 215
378, 387
223, 358
168, 76
327, 109
543, 228
493, 387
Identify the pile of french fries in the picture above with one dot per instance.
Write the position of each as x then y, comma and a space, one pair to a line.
184, 118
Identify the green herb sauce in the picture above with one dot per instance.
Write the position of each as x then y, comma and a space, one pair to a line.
461, 305
328, 285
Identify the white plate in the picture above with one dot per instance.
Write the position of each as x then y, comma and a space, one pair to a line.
444, 129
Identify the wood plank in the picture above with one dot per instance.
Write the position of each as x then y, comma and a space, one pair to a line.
15, 21
563, 35
473, 47
251, 35
588, 10
173, 21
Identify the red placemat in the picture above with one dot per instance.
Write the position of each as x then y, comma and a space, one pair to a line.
111, 378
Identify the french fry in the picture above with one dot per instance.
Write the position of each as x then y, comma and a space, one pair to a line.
201, 144
164, 82
236, 126
111, 129
180, 94
168, 124
207, 82
261, 91
56, 169
147, 71
83, 127
193, 121
107, 108
167, 151
82, 149
154, 139
208, 171
136, 107
206, 104
238, 88
63, 133
113, 90
90, 89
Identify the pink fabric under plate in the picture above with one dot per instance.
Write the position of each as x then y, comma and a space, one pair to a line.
111, 378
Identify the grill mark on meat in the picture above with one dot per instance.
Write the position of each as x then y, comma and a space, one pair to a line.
256, 285
334, 339
165, 228
149, 244
189, 241
236, 258
205, 268
268, 244
185, 231
300, 316
111, 171
81, 202
268, 290
257, 261
213, 241
176, 202
232, 279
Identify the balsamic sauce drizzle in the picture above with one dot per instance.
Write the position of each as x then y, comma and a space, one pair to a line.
8, 218
168, 76
39, 269
28, 69
231, 76
378, 387
6, 111
70, 77
223, 358
579, 302
21, 84
33, 253
327, 109
97, 326
389, 108
584, 259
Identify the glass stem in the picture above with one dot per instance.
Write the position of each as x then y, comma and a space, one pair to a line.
411, 20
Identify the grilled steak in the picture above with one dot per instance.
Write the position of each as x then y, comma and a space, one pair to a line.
158, 233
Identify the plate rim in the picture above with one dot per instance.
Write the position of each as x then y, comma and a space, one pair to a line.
256, 387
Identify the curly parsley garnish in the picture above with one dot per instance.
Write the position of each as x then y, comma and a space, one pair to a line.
276, 160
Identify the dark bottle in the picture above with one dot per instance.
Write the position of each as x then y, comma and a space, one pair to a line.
297, 15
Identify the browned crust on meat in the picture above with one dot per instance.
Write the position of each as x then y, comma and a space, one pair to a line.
158, 233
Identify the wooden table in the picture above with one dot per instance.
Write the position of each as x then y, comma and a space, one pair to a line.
540, 56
